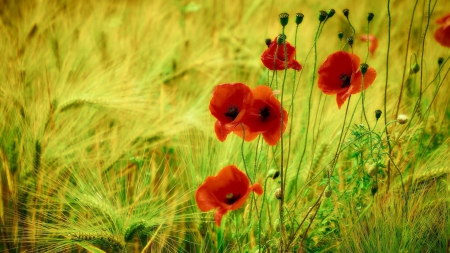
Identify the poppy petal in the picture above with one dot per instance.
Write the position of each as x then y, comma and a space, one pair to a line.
221, 131
278, 62
218, 215
249, 135
257, 188
204, 199
369, 77
273, 135
229, 102
332, 70
444, 21
341, 97
442, 35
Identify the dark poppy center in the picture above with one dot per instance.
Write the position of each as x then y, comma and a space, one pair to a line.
232, 112
231, 198
264, 113
345, 80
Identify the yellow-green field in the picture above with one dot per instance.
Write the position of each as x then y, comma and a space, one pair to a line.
106, 135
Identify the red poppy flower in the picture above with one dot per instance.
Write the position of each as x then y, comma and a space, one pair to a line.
226, 191
373, 42
263, 117
277, 63
442, 35
228, 105
340, 75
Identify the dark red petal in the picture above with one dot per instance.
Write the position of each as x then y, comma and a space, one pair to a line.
229, 95
229, 180
442, 35
222, 131
369, 77
332, 69
341, 97
218, 215
263, 100
205, 199
249, 135
278, 63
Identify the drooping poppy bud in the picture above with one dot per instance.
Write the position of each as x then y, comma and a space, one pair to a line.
346, 12
378, 114
268, 41
370, 16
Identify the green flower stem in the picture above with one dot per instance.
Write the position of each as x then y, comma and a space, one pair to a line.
243, 156
260, 214
385, 93
292, 106
282, 238
406, 60
309, 107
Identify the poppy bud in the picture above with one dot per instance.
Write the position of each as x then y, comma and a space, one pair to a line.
273, 173
278, 193
350, 40
374, 189
415, 68
402, 119
370, 16
364, 68
328, 191
322, 15
281, 39
331, 13
345, 11
299, 18
268, 41
378, 114
440, 60
340, 35
284, 19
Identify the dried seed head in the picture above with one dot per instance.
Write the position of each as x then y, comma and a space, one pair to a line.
378, 114
299, 18
402, 119
331, 13
284, 19
370, 16
278, 193
322, 15
364, 68
268, 41
350, 40
345, 11
273, 174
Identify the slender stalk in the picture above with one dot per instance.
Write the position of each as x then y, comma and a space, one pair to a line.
406, 60
385, 94
282, 151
